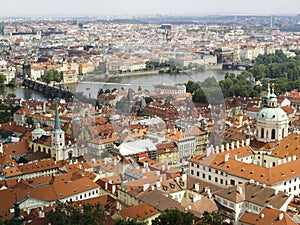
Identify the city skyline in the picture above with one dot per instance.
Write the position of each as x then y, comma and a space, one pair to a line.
18, 8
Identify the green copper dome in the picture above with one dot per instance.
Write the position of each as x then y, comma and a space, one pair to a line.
271, 114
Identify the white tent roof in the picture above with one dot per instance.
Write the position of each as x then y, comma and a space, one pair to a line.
136, 147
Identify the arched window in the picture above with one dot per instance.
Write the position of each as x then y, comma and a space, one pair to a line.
273, 134
262, 133
273, 164
39, 148
44, 149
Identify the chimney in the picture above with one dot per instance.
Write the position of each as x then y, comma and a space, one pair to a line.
226, 157
158, 184
227, 146
160, 178
247, 141
239, 190
289, 159
115, 162
106, 185
163, 167
222, 148
294, 157
284, 160
232, 145
217, 149
279, 162
145, 187
235, 157
243, 143
113, 189
276, 191
237, 144
281, 215
197, 187
207, 190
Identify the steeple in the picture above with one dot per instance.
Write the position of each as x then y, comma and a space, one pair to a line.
57, 128
58, 135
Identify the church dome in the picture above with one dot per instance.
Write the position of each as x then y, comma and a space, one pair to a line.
272, 114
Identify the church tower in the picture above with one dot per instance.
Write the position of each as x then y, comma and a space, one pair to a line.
272, 122
58, 136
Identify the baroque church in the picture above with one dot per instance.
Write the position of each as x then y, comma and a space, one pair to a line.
53, 142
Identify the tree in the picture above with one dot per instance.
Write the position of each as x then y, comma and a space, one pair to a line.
11, 95
148, 100
9, 222
29, 120
100, 92
199, 96
2, 79
210, 219
52, 75
12, 83
74, 214
129, 222
174, 216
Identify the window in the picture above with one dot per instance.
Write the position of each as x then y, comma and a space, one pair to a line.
209, 177
221, 181
231, 205
203, 176
192, 172
273, 134
232, 182
216, 179
262, 133
197, 174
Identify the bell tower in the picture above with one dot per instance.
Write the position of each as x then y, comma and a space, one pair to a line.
58, 135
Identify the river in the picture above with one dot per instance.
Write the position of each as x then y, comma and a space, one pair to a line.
91, 83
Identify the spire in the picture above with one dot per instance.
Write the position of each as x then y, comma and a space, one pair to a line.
57, 121
269, 91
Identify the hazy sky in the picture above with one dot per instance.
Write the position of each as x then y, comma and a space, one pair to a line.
139, 7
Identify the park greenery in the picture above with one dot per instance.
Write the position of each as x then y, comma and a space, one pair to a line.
276, 68
7, 112
75, 214
52, 75
2, 79
163, 67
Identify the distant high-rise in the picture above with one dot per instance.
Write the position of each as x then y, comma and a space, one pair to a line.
271, 22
